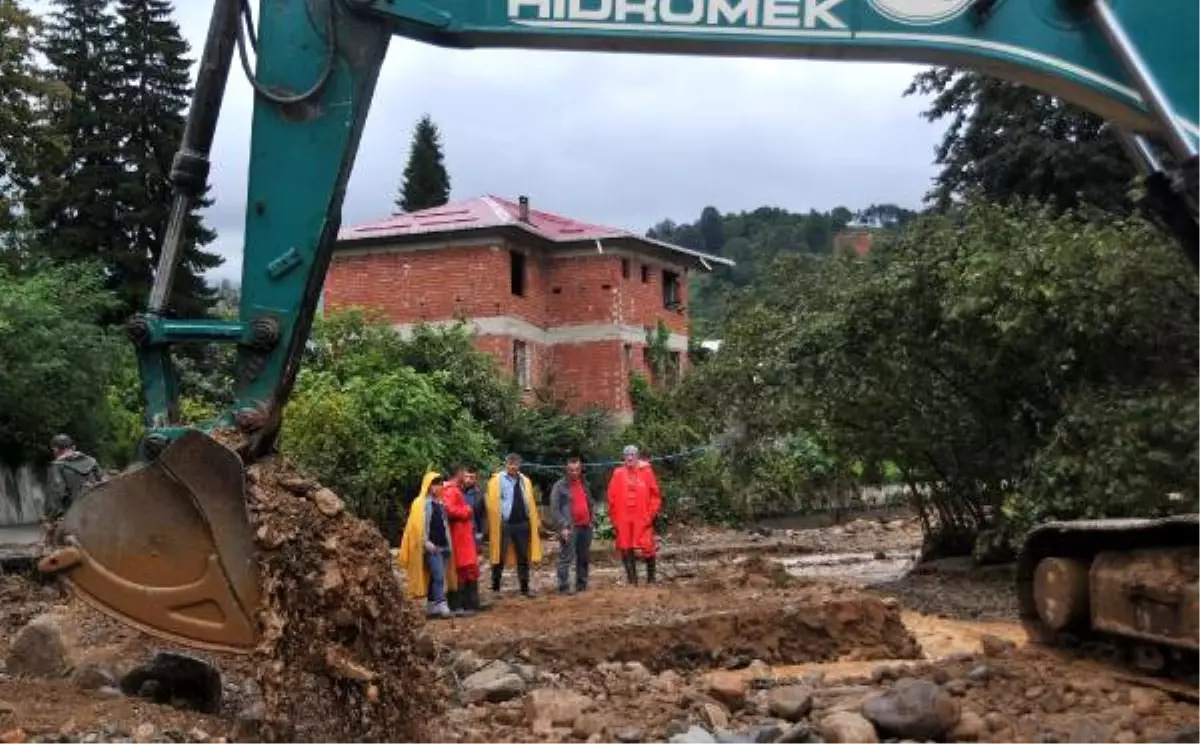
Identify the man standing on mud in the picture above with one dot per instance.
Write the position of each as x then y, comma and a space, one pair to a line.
470, 489
513, 524
572, 505
465, 599
70, 472
633, 503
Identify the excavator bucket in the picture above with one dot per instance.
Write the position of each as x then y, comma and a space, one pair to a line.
168, 548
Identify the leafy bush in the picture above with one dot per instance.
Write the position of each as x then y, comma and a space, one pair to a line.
56, 359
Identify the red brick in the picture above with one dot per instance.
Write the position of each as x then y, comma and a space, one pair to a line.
440, 284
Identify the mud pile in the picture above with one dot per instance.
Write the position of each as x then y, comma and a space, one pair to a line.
339, 657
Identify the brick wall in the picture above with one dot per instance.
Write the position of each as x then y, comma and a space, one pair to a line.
428, 285
474, 281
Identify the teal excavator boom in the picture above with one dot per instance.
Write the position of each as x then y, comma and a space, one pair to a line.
168, 547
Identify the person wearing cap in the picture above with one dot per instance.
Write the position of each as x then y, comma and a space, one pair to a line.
70, 473
513, 524
426, 553
633, 503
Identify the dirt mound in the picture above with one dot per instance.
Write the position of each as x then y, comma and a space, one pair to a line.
338, 657
689, 625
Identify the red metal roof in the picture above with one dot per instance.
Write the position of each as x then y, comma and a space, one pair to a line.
479, 213
490, 211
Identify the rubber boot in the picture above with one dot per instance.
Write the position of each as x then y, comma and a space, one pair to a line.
496, 578
650, 566
477, 604
466, 602
631, 570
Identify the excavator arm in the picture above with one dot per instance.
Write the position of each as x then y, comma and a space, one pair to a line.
168, 547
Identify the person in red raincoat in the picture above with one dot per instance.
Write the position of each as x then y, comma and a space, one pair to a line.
462, 536
633, 503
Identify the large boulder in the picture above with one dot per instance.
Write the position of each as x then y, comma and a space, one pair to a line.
913, 709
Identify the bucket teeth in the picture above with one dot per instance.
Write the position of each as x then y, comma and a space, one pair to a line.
168, 547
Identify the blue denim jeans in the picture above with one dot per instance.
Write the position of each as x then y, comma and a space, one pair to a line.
435, 564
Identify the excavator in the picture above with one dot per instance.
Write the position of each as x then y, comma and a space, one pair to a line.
167, 546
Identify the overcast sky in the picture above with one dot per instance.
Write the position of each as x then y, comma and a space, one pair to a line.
621, 140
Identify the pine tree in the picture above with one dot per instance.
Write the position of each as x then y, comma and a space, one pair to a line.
73, 211
426, 182
25, 92
1006, 140
153, 97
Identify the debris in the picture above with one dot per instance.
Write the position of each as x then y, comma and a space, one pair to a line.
559, 707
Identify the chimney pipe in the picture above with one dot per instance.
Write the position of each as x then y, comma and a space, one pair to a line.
523, 201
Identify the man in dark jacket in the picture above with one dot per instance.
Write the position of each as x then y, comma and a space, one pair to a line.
571, 503
70, 472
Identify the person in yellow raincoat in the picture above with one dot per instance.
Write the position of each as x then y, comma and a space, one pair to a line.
426, 552
513, 524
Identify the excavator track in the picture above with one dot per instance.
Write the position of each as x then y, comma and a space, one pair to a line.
1122, 591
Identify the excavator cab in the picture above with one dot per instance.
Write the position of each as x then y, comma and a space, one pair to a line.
168, 546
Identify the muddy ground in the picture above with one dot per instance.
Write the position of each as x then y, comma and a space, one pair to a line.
810, 635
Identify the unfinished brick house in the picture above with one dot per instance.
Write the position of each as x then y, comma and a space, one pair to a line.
555, 301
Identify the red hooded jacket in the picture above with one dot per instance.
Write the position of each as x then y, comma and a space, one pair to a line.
462, 526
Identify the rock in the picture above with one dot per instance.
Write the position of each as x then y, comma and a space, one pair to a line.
495, 683
637, 672
527, 672
467, 662
980, 673
629, 734
587, 725
760, 669
798, 733
144, 733
1125, 737
694, 735
970, 727
675, 726
996, 721
1087, 730
668, 682
198, 735
1144, 702
178, 676
913, 708
92, 676
845, 726
765, 733
790, 703
995, 646
13, 736
327, 502
727, 687
1185, 734
1035, 692
40, 649
559, 707
714, 716
956, 687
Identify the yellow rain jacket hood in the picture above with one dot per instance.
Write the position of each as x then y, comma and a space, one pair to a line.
412, 546
493, 518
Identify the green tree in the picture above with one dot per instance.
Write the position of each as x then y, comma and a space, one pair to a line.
74, 211
152, 97
426, 183
1005, 140
25, 94
989, 353
57, 360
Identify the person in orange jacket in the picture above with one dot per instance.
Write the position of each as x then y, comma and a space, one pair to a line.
633, 502
465, 600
